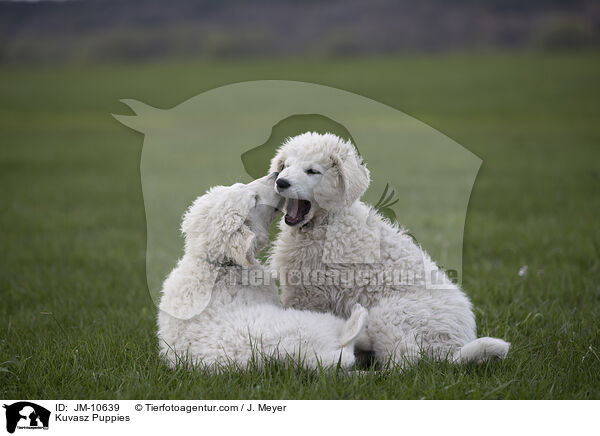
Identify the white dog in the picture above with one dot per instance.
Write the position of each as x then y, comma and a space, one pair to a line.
206, 319
328, 230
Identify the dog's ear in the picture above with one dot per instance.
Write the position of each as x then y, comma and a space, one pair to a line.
350, 179
215, 226
354, 174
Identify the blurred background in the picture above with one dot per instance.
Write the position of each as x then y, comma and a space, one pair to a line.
124, 30
515, 82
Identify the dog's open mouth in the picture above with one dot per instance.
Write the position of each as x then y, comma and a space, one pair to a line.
296, 210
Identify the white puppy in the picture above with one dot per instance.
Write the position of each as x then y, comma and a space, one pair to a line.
328, 231
209, 316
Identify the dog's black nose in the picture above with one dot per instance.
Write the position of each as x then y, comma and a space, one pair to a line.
282, 183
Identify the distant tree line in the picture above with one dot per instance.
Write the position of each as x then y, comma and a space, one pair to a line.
117, 30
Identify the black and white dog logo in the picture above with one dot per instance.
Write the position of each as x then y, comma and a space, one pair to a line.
26, 415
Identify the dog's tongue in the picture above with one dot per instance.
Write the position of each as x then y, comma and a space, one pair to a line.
296, 211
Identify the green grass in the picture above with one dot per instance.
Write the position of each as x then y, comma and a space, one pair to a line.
76, 319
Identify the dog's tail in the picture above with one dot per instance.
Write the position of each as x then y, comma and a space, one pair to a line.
354, 325
481, 350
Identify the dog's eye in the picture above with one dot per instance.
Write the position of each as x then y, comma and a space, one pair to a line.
312, 171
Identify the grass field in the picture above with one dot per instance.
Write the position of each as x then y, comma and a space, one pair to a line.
76, 319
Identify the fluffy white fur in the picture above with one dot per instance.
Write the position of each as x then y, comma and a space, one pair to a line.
341, 233
205, 319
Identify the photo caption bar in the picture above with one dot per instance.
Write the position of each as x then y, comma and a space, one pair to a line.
73, 417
